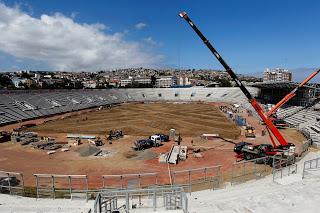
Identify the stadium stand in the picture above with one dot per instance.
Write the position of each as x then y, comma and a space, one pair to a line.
19, 106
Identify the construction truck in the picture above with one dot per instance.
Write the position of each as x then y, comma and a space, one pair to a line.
246, 150
163, 138
146, 144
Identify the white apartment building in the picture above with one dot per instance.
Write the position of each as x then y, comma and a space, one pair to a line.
277, 75
166, 81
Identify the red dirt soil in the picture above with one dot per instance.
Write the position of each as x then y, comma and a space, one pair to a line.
28, 161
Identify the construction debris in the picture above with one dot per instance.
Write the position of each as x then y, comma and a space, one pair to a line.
210, 136
95, 142
51, 152
74, 142
115, 134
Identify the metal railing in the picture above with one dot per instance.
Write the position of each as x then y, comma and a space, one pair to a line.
129, 180
310, 165
251, 169
206, 177
147, 200
61, 186
11, 183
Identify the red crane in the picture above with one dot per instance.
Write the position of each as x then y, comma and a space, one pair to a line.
274, 131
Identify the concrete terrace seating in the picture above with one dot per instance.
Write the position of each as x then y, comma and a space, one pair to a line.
301, 117
286, 112
312, 131
16, 106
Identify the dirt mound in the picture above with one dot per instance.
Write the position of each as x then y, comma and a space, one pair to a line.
87, 151
130, 154
145, 155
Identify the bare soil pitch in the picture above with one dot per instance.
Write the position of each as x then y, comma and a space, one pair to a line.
146, 119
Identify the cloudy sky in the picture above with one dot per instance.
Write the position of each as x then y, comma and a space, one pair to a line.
94, 35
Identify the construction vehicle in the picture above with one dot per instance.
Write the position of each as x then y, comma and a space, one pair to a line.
163, 138
249, 132
115, 134
145, 144
246, 151
278, 122
5, 136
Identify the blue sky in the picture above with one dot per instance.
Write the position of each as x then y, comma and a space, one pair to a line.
250, 35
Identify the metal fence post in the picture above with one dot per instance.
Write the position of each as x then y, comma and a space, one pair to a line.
70, 190
23, 190
53, 188
154, 200
87, 188
190, 182
127, 202
9, 184
37, 186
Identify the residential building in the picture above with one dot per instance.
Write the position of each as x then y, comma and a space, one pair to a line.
277, 75
126, 82
165, 81
144, 81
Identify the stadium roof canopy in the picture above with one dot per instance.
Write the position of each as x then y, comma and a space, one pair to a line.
280, 84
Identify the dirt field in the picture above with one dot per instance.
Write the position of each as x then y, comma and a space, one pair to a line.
137, 121
147, 119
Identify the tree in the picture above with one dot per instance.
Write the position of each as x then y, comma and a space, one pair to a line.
25, 75
5, 81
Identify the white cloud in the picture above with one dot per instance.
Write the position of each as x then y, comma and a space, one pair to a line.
140, 26
66, 45
151, 41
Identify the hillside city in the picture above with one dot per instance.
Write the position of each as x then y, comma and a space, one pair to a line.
119, 78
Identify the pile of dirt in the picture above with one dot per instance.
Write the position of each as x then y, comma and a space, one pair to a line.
130, 154
86, 151
145, 155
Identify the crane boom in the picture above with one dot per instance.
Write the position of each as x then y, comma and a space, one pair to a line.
275, 132
291, 94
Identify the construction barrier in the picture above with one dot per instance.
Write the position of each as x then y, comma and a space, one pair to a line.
251, 169
61, 186
172, 198
197, 179
11, 183
311, 167
129, 181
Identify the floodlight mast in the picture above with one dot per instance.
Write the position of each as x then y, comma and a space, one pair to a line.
252, 101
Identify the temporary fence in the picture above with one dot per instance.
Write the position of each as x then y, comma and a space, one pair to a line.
146, 200
11, 183
305, 148
129, 181
283, 166
311, 166
251, 169
61, 186
199, 178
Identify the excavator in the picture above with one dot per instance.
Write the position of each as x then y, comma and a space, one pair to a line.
272, 112
246, 150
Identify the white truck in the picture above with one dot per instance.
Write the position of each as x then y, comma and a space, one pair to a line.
156, 140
